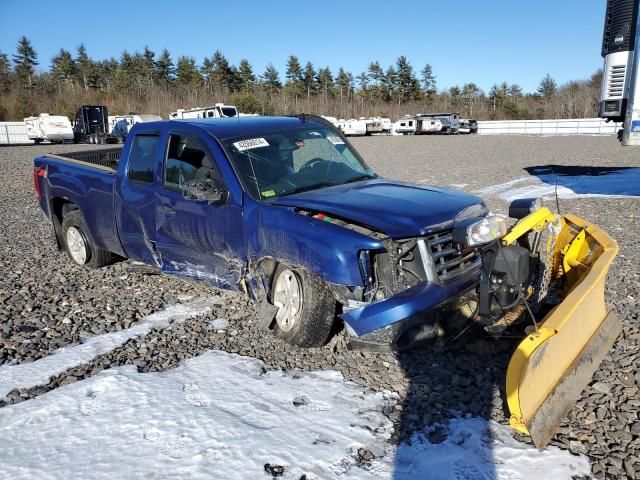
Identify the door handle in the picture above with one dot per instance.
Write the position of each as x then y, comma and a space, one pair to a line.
168, 211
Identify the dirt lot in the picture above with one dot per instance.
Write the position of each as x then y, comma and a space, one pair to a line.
47, 303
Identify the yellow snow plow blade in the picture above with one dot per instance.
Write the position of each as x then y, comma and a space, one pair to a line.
553, 364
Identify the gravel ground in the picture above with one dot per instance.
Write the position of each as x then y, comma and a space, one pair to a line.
46, 302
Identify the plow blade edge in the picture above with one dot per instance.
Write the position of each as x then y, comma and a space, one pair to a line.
552, 365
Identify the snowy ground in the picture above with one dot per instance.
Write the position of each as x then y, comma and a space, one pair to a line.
222, 415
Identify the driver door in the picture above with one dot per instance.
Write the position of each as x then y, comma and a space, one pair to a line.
197, 239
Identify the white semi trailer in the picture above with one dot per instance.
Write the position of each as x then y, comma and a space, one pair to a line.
219, 110
49, 128
620, 90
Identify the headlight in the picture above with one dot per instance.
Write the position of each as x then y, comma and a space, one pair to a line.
472, 232
487, 230
522, 207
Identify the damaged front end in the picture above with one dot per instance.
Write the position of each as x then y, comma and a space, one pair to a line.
405, 283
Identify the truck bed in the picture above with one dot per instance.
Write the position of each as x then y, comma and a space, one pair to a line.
85, 179
105, 157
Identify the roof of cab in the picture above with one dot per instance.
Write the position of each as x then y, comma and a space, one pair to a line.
223, 128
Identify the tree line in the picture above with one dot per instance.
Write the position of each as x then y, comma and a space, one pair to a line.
147, 82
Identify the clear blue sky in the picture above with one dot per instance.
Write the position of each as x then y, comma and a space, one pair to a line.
485, 41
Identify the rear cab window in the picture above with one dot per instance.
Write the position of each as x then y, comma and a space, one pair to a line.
142, 160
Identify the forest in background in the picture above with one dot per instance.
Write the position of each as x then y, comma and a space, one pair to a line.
147, 82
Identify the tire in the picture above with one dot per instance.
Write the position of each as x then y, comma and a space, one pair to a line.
310, 325
79, 245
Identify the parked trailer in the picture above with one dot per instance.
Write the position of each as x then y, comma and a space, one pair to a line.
51, 128
219, 110
120, 125
428, 125
385, 122
353, 127
14, 133
404, 126
450, 121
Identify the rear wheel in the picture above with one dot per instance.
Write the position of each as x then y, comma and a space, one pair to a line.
79, 245
306, 307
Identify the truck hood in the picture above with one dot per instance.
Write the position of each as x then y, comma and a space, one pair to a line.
395, 208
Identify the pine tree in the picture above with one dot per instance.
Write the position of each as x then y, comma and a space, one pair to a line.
164, 69
245, 72
85, 68
344, 83
547, 87
24, 61
148, 64
309, 81
294, 75
207, 70
377, 78
187, 73
388, 86
363, 83
325, 81
515, 90
222, 74
271, 79
406, 83
63, 67
428, 80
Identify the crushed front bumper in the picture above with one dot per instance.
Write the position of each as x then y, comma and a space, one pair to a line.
381, 323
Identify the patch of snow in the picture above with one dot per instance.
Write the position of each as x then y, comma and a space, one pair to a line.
221, 415
27, 375
219, 324
459, 185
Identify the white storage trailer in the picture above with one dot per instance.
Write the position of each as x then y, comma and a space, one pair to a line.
219, 110
49, 128
353, 127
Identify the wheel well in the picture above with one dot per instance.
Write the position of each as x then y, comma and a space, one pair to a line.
59, 208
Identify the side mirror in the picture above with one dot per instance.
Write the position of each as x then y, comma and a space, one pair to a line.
204, 190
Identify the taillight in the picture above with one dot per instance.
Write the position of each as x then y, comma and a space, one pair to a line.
38, 172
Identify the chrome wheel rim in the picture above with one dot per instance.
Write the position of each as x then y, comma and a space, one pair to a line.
287, 296
77, 246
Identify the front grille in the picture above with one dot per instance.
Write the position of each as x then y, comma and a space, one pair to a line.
448, 259
615, 81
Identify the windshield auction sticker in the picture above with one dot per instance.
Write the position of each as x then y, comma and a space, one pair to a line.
335, 140
243, 145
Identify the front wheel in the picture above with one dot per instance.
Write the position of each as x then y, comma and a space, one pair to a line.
306, 307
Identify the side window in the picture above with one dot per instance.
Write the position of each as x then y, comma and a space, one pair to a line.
187, 159
141, 158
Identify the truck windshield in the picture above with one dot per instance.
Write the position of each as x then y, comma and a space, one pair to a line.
294, 161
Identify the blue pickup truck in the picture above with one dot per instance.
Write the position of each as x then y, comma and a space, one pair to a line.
284, 210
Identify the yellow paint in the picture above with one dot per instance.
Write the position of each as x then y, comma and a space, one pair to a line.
534, 221
543, 358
